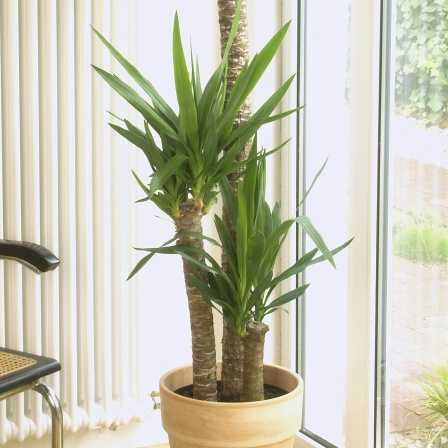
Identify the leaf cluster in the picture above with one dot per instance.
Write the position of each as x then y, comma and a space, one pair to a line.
433, 398
197, 145
422, 60
246, 293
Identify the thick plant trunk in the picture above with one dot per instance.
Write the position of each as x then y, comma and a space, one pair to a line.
232, 365
201, 317
238, 56
253, 380
233, 349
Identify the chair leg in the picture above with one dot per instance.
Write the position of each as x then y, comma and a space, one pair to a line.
57, 420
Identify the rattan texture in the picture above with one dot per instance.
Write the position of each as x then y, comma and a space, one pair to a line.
10, 363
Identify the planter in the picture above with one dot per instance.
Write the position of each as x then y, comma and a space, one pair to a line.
199, 424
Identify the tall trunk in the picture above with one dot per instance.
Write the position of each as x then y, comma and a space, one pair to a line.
201, 316
238, 56
253, 380
232, 365
233, 349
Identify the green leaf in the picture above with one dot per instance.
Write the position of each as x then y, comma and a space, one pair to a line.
248, 79
136, 138
256, 297
257, 68
140, 265
313, 182
208, 293
227, 165
210, 153
185, 97
226, 239
209, 99
149, 89
317, 238
242, 236
161, 176
255, 251
333, 252
287, 297
155, 155
195, 78
252, 177
142, 185
136, 101
299, 266
278, 234
247, 130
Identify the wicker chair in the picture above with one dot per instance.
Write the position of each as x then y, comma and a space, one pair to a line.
20, 371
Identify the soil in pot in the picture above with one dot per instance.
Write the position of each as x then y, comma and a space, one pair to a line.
269, 391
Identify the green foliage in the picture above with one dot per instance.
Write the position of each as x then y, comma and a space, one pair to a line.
246, 294
420, 239
434, 397
190, 161
422, 60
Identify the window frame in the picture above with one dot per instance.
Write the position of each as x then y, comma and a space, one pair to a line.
363, 213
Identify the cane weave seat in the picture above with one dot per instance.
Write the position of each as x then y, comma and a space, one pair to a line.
10, 363
19, 368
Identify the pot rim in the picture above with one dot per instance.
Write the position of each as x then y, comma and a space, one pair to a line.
230, 405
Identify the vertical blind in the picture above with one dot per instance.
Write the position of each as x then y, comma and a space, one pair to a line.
66, 185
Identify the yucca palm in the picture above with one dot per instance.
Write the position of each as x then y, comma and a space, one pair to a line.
197, 149
245, 296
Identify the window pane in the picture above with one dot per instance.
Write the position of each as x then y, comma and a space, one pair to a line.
327, 119
417, 306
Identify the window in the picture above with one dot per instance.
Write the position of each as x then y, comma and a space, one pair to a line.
414, 309
326, 132
339, 50
373, 80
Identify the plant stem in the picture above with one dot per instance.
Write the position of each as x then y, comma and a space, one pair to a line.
253, 381
232, 365
201, 316
233, 348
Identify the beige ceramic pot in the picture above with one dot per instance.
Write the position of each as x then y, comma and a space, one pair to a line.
198, 424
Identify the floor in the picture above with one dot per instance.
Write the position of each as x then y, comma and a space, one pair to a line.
419, 300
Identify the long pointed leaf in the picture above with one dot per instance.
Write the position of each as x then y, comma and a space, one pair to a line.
164, 173
246, 131
209, 99
136, 139
140, 265
255, 251
228, 199
299, 266
140, 80
136, 101
226, 239
333, 252
313, 182
258, 66
287, 297
317, 238
241, 228
185, 97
